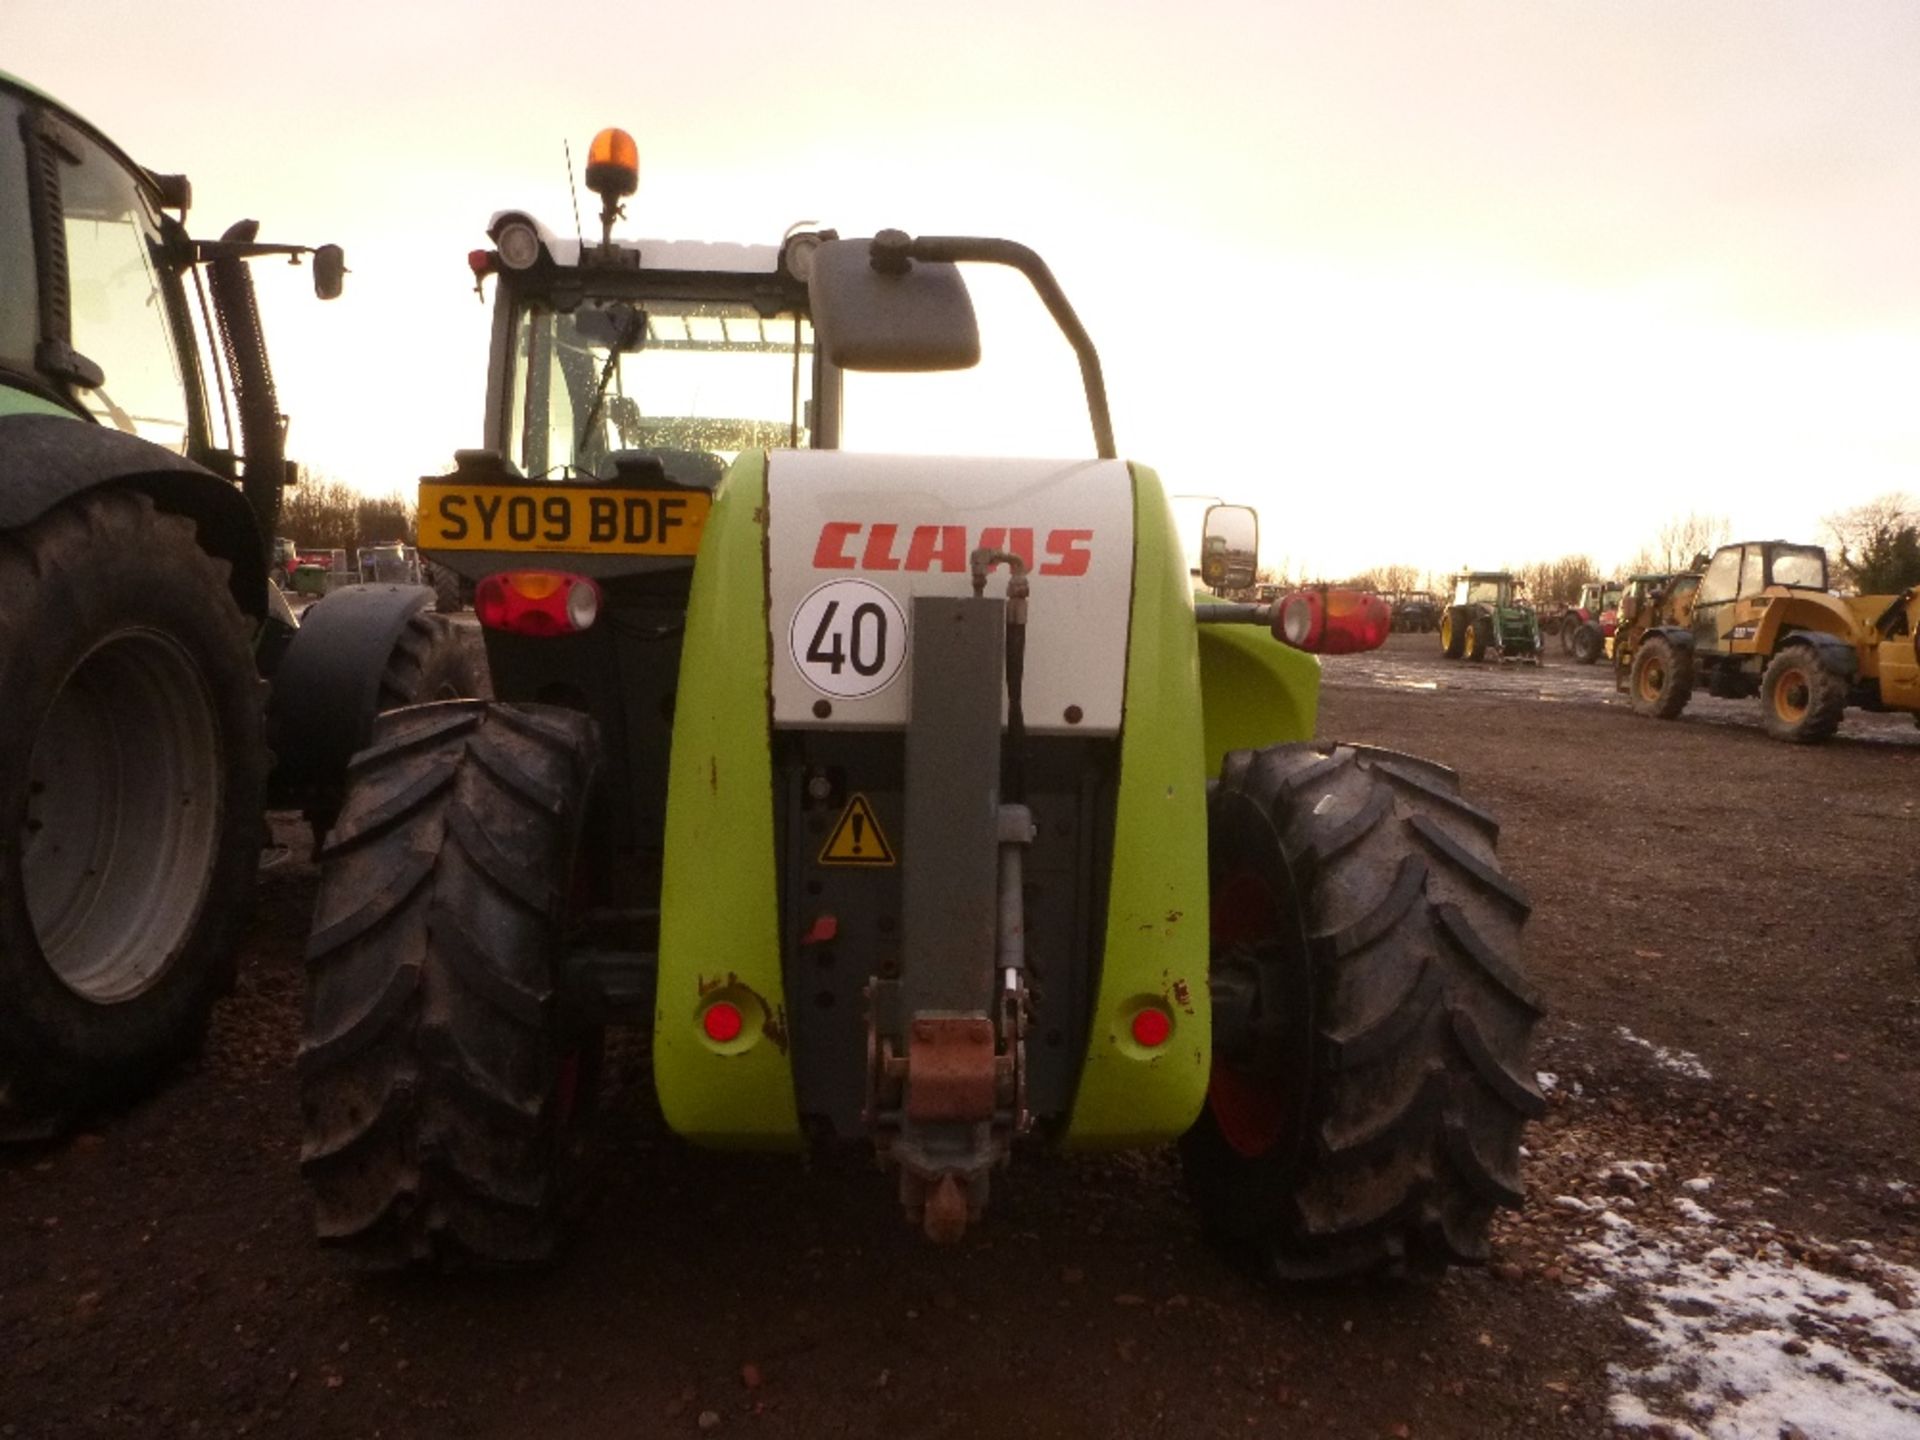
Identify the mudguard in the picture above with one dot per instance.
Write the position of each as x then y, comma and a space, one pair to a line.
719, 898
1157, 923
326, 689
46, 460
1675, 635
1836, 654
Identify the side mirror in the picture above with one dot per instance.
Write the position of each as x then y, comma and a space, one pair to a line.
913, 315
1229, 547
329, 271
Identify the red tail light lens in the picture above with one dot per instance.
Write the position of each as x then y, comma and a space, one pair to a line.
1332, 622
537, 602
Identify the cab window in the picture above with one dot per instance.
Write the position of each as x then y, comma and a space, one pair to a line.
121, 320
1800, 569
1753, 572
1721, 577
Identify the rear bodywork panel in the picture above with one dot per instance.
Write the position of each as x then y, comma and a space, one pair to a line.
766, 768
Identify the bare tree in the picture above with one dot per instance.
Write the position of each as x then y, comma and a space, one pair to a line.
1395, 578
1879, 543
1681, 541
1555, 584
320, 514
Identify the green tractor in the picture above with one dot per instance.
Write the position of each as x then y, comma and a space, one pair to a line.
911, 803
140, 482
1486, 620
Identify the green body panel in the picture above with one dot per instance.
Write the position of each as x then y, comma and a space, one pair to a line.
24, 402
719, 904
1156, 939
1254, 690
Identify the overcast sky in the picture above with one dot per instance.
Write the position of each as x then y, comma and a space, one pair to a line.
1436, 281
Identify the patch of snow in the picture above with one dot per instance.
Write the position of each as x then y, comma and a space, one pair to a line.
1680, 1062
1694, 1212
1547, 1081
1699, 1185
1757, 1346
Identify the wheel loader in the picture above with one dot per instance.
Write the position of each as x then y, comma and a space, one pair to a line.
140, 478
1761, 621
904, 802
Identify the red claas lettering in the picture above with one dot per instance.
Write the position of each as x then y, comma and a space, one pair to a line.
943, 549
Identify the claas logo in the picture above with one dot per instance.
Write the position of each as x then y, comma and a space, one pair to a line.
852, 545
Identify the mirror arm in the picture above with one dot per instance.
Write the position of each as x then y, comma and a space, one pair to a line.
205, 250
958, 248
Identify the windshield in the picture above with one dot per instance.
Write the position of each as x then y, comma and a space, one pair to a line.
1482, 592
1802, 569
696, 382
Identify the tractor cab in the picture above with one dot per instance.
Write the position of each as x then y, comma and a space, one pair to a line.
1742, 582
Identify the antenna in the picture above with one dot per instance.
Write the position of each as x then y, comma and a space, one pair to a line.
578, 233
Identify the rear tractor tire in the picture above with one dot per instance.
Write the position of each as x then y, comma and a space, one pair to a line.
1801, 700
443, 1095
132, 778
1661, 682
1587, 643
1452, 638
1370, 1080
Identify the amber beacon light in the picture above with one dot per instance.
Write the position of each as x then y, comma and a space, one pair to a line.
613, 165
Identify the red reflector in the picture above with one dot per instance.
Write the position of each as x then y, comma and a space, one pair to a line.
537, 602
1151, 1027
480, 262
825, 930
722, 1021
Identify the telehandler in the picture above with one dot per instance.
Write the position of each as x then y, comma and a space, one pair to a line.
1761, 621
909, 802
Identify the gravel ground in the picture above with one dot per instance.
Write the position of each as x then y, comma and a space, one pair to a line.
1721, 1239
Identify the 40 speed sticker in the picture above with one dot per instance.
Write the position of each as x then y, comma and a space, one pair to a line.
848, 639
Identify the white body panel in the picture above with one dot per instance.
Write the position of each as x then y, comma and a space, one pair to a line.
841, 524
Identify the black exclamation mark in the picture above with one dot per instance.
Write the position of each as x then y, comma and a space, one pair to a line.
859, 825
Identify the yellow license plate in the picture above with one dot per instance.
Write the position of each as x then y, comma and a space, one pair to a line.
609, 522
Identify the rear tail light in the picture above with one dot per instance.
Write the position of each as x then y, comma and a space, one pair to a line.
1332, 622
537, 602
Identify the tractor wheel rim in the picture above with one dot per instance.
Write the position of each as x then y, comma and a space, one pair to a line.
127, 783
1653, 679
1792, 696
1250, 1113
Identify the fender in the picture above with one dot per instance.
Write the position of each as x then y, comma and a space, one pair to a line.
1836, 654
1804, 614
326, 690
47, 460
1674, 635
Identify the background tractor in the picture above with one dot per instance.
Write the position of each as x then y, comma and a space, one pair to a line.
1486, 620
906, 802
1416, 612
140, 479
1761, 621
1585, 626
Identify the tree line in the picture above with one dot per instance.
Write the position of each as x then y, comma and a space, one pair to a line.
321, 514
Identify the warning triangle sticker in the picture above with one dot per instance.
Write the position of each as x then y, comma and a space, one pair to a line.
857, 838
